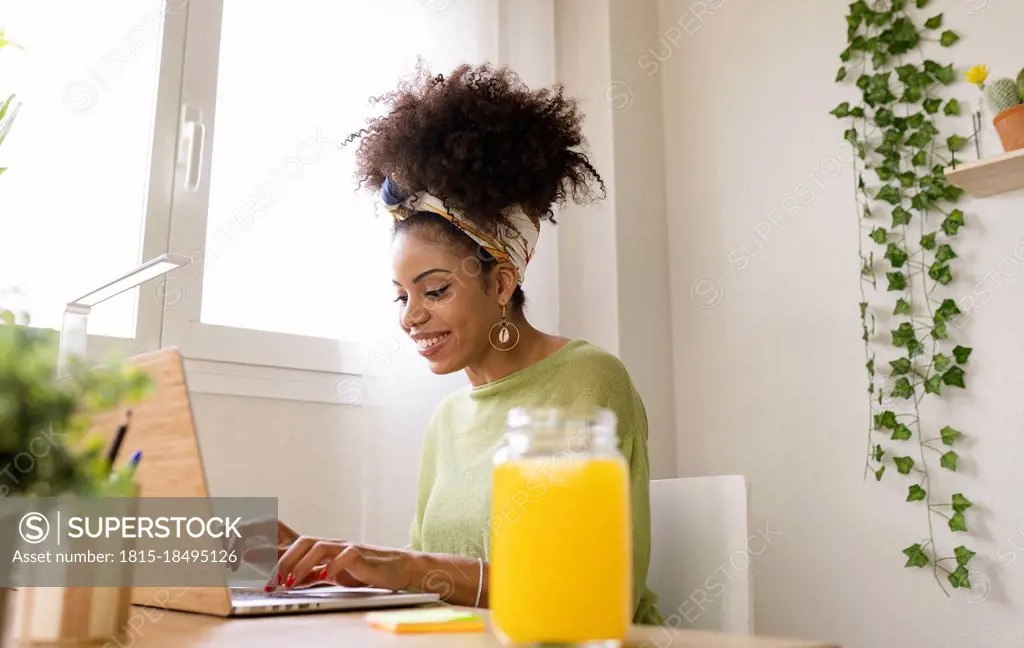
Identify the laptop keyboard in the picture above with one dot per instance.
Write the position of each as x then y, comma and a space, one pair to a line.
247, 593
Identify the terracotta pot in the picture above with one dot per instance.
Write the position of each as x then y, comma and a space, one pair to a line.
1010, 126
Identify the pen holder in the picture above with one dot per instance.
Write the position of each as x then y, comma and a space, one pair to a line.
73, 613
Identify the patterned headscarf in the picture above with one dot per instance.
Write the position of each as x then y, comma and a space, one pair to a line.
514, 242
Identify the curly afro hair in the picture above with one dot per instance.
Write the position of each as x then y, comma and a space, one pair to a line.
482, 141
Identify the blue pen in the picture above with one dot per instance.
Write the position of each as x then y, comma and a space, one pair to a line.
133, 463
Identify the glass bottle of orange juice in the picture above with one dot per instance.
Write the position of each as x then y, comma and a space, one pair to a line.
560, 530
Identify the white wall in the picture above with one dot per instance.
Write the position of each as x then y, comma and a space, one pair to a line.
613, 257
769, 367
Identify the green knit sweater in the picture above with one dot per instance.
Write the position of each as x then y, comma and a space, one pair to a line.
452, 511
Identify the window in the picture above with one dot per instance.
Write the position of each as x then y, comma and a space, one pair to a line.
212, 129
74, 197
292, 264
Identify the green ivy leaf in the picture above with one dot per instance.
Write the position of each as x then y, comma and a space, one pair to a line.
949, 435
919, 159
878, 453
914, 121
959, 578
896, 256
919, 201
921, 3
952, 223
914, 348
902, 307
903, 464
945, 253
915, 493
952, 193
857, 111
932, 105
879, 473
945, 75
961, 503
958, 523
933, 385
897, 281
952, 108
841, 74
941, 362
947, 311
948, 460
901, 366
889, 194
903, 389
920, 139
948, 38
954, 377
885, 420
870, 366
908, 179
962, 353
884, 117
963, 555
941, 273
842, 110
911, 94
900, 433
928, 241
916, 557
879, 235
955, 142
939, 330
903, 334
863, 309
934, 22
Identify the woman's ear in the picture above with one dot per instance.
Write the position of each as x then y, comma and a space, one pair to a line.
507, 280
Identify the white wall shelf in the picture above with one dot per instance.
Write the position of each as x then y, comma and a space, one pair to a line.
990, 176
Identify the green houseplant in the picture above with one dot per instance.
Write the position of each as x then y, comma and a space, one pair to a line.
1005, 97
902, 126
44, 421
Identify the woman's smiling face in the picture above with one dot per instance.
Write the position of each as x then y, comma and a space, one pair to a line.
444, 303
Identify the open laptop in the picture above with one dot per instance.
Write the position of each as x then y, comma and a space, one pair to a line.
164, 429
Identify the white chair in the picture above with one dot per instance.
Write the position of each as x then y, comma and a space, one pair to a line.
701, 549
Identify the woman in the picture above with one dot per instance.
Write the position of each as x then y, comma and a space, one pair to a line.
468, 165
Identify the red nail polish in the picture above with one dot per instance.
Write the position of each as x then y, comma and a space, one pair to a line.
290, 581
268, 588
279, 579
323, 574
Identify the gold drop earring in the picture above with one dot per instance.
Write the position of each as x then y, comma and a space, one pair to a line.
506, 330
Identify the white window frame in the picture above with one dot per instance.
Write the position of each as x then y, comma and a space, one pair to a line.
157, 217
232, 360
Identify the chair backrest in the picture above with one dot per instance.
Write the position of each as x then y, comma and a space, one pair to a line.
700, 556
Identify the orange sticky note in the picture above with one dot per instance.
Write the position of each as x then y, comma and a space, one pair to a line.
439, 619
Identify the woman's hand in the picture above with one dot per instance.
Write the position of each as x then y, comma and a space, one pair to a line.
262, 543
311, 561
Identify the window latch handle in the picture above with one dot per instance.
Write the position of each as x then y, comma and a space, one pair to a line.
190, 150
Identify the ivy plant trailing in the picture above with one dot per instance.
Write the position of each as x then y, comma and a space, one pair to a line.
908, 223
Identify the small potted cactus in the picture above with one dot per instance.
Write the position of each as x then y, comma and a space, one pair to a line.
1006, 99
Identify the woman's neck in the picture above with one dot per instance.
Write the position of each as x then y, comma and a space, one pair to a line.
533, 345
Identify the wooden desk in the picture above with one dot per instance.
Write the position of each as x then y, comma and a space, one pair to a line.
154, 628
